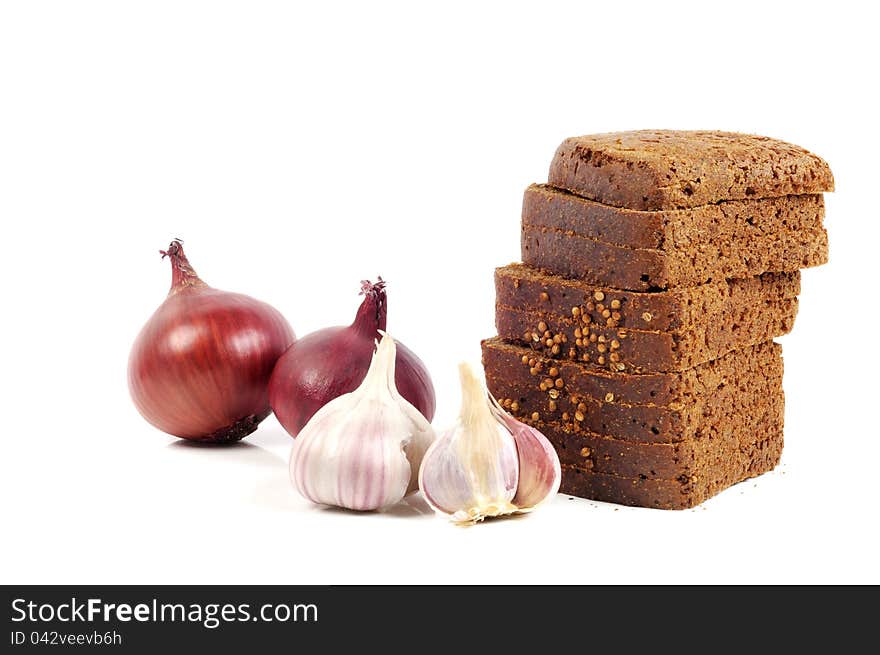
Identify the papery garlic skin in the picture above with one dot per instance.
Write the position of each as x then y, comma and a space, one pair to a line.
363, 450
540, 473
471, 471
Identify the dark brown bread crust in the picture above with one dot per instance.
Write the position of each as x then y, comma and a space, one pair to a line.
635, 492
545, 206
519, 368
728, 441
668, 169
598, 327
643, 269
518, 285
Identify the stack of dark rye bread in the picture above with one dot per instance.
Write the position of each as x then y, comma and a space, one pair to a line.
637, 334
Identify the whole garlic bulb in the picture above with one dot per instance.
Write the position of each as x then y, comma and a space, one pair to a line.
488, 464
363, 449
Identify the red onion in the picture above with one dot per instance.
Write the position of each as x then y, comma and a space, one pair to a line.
333, 361
200, 367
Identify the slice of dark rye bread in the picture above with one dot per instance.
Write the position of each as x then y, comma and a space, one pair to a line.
743, 394
651, 407
645, 269
670, 169
729, 439
519, 285
548, 207
613, 329
668, 494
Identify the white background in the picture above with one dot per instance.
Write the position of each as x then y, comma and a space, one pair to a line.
301, 147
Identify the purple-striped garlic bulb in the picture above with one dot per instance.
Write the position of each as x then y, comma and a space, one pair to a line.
488, 464
363, 449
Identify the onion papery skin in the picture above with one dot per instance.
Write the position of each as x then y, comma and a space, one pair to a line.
332, 361
200, 367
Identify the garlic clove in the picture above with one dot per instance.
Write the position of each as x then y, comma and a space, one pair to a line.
472, 471
362, 450
470, 492
540, 473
